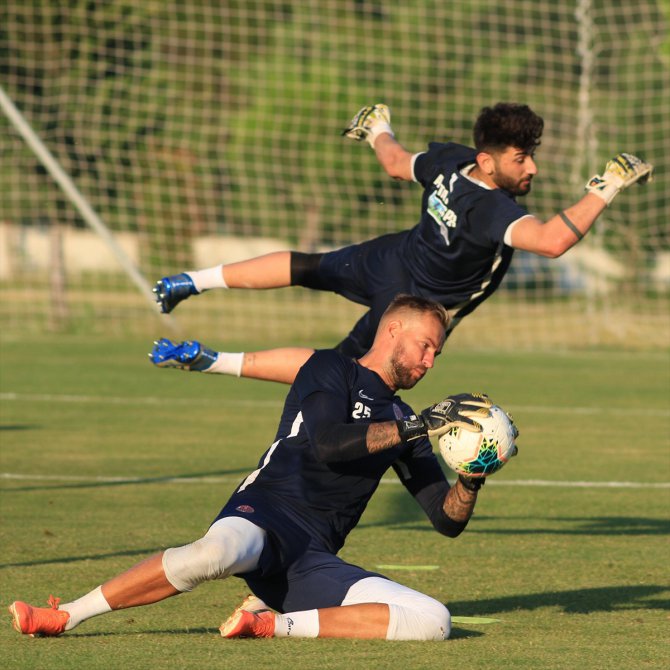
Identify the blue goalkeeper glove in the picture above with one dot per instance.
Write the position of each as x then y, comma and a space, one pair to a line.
186, 355
170, 291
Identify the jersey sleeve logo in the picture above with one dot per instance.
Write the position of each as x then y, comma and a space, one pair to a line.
438, 206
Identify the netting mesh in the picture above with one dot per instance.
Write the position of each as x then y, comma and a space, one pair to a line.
205, 132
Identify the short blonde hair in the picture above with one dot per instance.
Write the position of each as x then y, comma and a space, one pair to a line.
415, 303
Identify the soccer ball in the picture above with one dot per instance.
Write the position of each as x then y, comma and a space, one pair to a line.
480, 454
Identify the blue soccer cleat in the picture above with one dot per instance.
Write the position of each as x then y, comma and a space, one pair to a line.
186, 355
170, 291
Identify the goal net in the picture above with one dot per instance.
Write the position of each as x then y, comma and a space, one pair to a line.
204, 132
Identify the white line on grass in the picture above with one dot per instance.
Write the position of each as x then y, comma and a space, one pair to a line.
207, 479
239, 402
131, 400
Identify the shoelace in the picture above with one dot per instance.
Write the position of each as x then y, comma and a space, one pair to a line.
54, 602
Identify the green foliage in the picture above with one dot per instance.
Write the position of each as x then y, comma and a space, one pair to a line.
184, 90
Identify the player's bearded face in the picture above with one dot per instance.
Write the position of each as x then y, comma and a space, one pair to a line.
405, 375
514, 171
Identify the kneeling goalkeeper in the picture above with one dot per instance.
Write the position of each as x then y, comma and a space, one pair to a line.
342, 428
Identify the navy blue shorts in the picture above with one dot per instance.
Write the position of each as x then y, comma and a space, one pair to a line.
295, 572
367, 272
371, 274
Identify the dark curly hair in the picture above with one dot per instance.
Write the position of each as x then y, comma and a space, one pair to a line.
508, 124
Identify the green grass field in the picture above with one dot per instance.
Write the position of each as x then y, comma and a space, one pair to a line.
106, 460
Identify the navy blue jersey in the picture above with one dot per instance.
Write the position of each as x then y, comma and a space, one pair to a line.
326, 499
456, 252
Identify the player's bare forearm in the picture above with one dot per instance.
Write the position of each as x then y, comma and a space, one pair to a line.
459, 502
561, 232
573, 223
393, 157
383, 435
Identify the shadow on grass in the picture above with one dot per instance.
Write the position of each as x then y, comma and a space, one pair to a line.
130, 481
88, 557
579, 601
460, 633
597, 525
457, 633
20, 426
593, 526
134, 633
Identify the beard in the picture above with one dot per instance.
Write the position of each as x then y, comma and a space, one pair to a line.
404, 377
521, 187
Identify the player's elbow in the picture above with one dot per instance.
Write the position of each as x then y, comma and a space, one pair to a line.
553, 247
396, 161
324, 450
396, 170
555, 252
448, 527
451, 532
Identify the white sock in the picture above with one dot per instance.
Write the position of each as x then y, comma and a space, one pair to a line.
208, 278
87, 606
227, 364
297, 624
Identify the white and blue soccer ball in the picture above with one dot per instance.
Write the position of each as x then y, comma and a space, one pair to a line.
479, 454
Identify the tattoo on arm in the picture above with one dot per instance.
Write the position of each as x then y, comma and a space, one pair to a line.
459, 502
382, 436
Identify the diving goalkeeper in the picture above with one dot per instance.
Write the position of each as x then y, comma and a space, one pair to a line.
458, 252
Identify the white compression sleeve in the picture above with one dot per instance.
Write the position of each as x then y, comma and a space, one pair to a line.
413, 615
232, 545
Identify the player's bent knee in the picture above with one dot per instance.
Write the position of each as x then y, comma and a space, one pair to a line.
186, 567
413, 615
432, 622
230, 546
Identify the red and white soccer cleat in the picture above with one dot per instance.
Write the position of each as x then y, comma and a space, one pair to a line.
243, 623
41, 621
253, 603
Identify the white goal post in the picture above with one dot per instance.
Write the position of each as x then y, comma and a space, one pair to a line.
73, 194
155, 138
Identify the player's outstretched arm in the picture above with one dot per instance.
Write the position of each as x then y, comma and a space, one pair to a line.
555, 236
373, 125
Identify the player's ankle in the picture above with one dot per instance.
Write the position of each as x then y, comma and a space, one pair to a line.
208, 278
